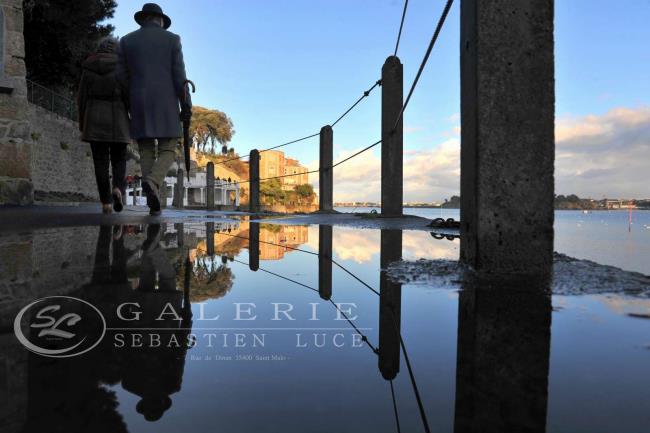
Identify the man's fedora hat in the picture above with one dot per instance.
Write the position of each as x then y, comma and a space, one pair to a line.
152, 9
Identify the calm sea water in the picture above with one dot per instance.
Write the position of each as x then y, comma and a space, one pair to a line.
284, 340
606, 237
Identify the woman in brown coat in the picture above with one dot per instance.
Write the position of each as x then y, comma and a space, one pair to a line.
104, 122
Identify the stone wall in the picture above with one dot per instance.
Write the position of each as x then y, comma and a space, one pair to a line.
29, 264
15, 144
62, 164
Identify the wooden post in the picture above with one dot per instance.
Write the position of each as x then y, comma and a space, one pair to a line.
326, 173
325, 262
392, 82
254, 246
179, 190
390, 306
209, 190
254, 181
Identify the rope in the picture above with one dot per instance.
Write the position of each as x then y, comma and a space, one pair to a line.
307, 252
413, 383
365, 95
363, 336
313, 171
290, 142
277, 177
358, 153
279, 276
270, 148
441, 21
399, 34
392, 393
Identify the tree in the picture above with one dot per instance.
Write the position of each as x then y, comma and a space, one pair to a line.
209, 127
59, 35
272, 191
304, 192
452, 203
208, 279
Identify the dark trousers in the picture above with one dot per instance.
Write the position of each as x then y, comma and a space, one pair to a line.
115, 153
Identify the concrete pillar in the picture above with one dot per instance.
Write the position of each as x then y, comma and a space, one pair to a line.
254, 246
254, 181
179, 190
507, 136
209, 175
325, 262
390, 306
504, 338
326, 173
209, 238
392, 83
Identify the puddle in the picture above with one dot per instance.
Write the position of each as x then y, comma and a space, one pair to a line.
255, 327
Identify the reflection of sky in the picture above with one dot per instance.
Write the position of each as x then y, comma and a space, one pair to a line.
598, 365
361, 246
595, 352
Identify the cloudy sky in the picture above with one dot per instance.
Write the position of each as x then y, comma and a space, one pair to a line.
283, 69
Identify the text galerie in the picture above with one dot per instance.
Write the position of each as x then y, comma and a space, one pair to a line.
169, 327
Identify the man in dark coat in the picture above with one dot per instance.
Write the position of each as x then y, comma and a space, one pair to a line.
151, 67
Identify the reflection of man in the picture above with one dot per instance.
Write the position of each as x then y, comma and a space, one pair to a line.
153, 368
151, 67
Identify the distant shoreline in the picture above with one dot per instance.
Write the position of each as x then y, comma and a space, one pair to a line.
442, 207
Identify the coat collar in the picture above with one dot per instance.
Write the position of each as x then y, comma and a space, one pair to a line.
151, 24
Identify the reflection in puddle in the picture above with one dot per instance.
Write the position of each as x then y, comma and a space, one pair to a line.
260, 327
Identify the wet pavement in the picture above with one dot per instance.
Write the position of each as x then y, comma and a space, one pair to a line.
195, 323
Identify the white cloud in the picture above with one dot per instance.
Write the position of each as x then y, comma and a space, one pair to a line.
428, 175
604, 155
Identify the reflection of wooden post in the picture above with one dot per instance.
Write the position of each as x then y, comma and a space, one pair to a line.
326, 172
209, 238
209, 190
390, 305
254, 181
325, 262
504, 336
180, 239
254, 247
